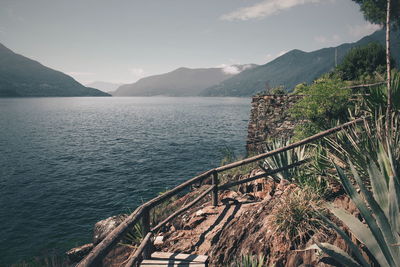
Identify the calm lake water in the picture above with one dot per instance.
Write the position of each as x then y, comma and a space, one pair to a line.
66, 163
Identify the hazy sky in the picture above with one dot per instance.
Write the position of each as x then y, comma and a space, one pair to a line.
124, 40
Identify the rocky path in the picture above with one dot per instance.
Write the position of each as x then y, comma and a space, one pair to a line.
203, 229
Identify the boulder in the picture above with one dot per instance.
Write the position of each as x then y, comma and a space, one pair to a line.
106, 226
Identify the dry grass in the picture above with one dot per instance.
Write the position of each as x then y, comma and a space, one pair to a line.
296, 217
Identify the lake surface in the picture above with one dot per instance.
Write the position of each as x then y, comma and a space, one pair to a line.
66, 163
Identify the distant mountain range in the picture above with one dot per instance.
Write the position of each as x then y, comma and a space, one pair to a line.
293, 68
180, 82
107, 87
23, 77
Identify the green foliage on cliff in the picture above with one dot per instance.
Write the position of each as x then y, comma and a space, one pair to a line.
294, 67
362, 63
325, 102
23, 77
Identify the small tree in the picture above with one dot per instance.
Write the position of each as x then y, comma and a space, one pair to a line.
375, 11
361, 62
383, 12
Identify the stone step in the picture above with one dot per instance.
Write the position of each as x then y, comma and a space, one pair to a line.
164, 259
171, 263
179, 257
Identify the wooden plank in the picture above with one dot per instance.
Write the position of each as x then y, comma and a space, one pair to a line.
145, 230
179, 256
291, 146
185, 208
179, 188
163, 263
215, 191
143, 245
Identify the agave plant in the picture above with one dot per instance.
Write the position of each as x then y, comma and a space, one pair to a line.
134, 236
365, 139
377, 96
284, 159
379, 209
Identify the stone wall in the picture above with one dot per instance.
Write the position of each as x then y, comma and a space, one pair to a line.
269, 118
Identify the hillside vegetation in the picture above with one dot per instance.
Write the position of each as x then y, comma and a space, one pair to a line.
293, 68
23, 77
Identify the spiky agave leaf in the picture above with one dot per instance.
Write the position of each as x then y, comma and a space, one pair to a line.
284, 159
338, 254
377, 95
368, 217
389, 233
354, 249
380, 232
361, 232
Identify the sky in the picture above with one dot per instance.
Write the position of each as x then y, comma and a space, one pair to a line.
121, 41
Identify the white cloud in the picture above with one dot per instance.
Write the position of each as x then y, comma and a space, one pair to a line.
334, 39
137, 72
247, 66
229, 69
234, 69
363, 30
264, 9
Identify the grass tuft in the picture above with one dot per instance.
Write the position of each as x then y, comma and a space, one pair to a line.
297, 215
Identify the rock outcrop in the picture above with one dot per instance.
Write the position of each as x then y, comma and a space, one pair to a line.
100, 231
104, 227
269, 118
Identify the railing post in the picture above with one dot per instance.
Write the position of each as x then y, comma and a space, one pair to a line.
215, 190
146, 230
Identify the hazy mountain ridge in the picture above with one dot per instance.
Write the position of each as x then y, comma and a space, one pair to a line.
107, 87
292, 68
24, 77
180, 82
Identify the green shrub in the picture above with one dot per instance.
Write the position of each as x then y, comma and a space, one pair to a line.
363, 62
277, 91
325, 102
